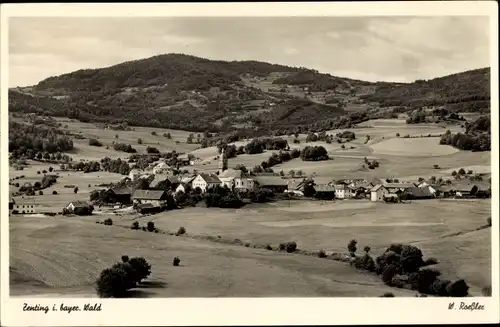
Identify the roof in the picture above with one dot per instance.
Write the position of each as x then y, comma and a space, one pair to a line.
419, 191
183, 156
340, 186
210, 178
135, 171
121, 190
365, 185
148, 194
324, 188
270, 181
187, 179
162, 178
296, 185
232, 173
377, 187
163, 165
80, 204
399, 185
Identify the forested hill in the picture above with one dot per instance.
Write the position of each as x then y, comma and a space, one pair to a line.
186, 92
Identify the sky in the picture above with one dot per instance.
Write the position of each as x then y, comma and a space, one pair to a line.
399, 49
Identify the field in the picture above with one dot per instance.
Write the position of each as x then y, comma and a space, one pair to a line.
54, 255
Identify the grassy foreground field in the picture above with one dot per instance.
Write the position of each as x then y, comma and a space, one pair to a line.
330, 225
63, 257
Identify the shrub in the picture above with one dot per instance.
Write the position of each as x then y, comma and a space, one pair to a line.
150, 226
141, 267
176, 261
40, 193
108, 222
150, 149
247, 245
461, 171
387, 294
54, 192
438, 287
139, 141
44, 171
269, 247
367, 249
351, 247
125, 258
38, 172
458, 289
129, 273
144, 228
153, 133
94, 142
181, 231
322, 254
411, 258
488, 221
282, 246
388, 274
135, 225
75, 189
291, 247
486, 291
112, 283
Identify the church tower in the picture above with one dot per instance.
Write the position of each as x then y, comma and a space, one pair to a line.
222, 161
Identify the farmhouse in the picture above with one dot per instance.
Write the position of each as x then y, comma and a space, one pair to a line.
398, 188
342, 191
24, 206
81, 208
163, 169
360, 191
147, 196
118, 194
236, 179
325, 192
276, 184
296, 187
467, 189
134, 174
378, 192
205, 181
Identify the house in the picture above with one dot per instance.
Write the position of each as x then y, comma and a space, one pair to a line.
188, 179
467, 189
182, 187
378, 193
236, 179
360, 191
155, 197
206, 180
163, 169
81, 208
296, 187
273, 183
325, 192
342, 191
134, 174
195, 161
23, 206
118, 194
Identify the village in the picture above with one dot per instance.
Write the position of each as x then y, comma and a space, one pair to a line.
158, 188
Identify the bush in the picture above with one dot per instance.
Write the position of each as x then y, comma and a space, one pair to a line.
351, 247
112, 282
40, 192
387, 294
430, 261
282, 246
181, 231
141, 268
38, 172
176, 261
269, 247
54, 192
94, 142
150, 149
438, 287
125, 258
388, 274
411, 258
135, 225
75, 190
458, 289
322, 254
129, 273
150, 226
108, 222
144, 228
488, 221
291, 247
